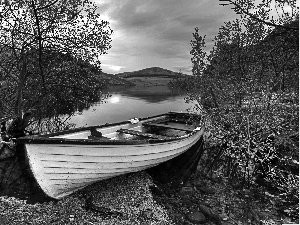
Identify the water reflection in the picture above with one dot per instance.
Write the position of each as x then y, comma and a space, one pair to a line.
114, 99
154, 94
129, 102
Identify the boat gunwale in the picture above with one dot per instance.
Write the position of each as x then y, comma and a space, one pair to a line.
48, 138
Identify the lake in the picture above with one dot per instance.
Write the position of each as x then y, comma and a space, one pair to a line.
130, 102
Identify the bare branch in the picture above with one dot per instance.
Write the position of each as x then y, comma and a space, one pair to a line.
47, 6
40, 43
260, 20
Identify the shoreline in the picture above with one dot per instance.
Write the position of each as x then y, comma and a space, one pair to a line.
129, 195
138, 199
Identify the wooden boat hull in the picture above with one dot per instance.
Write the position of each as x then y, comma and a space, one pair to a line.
62, 166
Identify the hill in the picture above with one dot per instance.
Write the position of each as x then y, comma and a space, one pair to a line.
154, 76
115, 80
152, 71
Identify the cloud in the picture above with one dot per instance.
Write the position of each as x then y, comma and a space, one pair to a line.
116, 68
158, 33
112, 68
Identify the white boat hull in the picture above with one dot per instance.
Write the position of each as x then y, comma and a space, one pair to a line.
63, 169
68, 161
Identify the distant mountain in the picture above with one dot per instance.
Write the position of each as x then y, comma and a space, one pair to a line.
154, 76
153, 71
116, 80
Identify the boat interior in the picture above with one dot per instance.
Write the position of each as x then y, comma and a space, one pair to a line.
166, 126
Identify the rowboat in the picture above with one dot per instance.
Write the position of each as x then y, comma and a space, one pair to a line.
66, 161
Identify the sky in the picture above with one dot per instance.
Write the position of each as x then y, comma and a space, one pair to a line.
157, 33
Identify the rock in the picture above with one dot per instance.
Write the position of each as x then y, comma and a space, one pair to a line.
169, 191
168, 207
178, 217
206, 190
156, 190
199, 183
186, 190
184, 210
196, 217
226, 223
175, 202
201, 186
188, 184
212, 216
147, 213
7, 151
188, 203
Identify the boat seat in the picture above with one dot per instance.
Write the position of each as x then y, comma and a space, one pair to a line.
158, 125
95, 133
142, 134
97, 138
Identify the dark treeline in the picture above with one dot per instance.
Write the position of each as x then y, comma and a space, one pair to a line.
247, 87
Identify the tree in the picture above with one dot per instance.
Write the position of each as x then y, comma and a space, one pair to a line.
72, 84
248, 56
228, 72
274, 13
247, 87
281, 47
29, 30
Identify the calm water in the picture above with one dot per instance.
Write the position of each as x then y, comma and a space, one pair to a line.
130, 102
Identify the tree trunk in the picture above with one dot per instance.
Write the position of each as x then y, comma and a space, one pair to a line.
214, 97
20, 88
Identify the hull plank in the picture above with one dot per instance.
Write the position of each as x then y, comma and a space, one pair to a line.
92, 165
108, 159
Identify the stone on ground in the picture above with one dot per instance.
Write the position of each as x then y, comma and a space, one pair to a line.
196, 217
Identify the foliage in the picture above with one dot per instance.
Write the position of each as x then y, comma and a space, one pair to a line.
274, 13
49, 54
74, 84
247, 87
